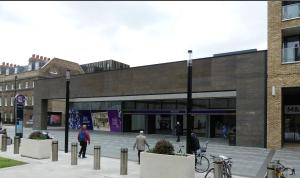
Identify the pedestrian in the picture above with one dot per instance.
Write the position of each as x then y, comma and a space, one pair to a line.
140, 143
178, 131
195, 145
224, 130
84, 138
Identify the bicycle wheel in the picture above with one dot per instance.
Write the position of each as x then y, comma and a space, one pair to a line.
210, 173
227, 173
202, 164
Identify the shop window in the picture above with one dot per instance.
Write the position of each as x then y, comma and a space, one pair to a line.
200, 103
218, 103
169, 105
154, 105
129, 105
141, 105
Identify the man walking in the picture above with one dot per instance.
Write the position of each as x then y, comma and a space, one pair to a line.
195, 145
140, 143
178, 131
83, 138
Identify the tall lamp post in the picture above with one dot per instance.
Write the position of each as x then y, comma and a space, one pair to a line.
189, 119
67, 111
15, 93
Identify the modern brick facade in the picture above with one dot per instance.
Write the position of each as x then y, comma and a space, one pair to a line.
280, 74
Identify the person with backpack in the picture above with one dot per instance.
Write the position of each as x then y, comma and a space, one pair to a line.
84, 139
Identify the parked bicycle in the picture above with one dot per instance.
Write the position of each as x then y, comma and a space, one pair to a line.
281, 171
202, 164
226, 166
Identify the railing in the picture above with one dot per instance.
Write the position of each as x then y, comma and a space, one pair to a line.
291, 11
290, 55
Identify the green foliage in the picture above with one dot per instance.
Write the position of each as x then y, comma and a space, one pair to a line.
37, 135
163, 147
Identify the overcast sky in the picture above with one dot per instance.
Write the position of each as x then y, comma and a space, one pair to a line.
136, 33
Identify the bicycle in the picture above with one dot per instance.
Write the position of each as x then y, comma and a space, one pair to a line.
281, 171
226, 165
202, 163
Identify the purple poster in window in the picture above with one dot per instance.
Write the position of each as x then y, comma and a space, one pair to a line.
115, 121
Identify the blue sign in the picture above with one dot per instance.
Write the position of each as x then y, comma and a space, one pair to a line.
20, 99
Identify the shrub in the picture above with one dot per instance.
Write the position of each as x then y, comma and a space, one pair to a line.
37, 135
163, 147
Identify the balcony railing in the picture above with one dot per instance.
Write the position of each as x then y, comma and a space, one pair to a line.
291, 11
291, 55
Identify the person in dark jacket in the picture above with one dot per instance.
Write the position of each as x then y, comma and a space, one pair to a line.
195, 145
84, 138
178, 131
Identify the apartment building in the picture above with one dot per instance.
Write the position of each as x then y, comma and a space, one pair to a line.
283, 87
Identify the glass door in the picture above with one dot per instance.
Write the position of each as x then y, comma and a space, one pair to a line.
292, 129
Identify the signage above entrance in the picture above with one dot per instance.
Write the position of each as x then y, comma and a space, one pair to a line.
292, 109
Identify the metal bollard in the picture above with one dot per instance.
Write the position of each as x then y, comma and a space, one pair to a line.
55, 150
74, 151
4, 143
271, 170
16, 144
123, 161
97, 157
218, 167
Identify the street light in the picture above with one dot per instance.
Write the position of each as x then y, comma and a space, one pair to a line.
67, 111
189, 119
15, 93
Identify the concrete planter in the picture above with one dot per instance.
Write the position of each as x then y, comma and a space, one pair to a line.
38, 149
167, 166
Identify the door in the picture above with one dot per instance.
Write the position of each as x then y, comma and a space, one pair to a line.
292, 129
151, 124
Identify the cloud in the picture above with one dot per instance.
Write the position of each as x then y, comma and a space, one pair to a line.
137, 33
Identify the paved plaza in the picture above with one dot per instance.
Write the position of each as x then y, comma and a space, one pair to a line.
247, 161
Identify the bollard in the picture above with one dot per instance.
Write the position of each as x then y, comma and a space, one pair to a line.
123, 161
74, 151
16, 144
218, 167
55, 150
97, 157
271, 170
4, 143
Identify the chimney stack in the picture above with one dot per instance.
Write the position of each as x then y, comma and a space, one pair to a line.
33, 56
7, 64
41, 57
45, 58
37, 56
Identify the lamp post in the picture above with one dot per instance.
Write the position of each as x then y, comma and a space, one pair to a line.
67, 111
189, 119
15, 93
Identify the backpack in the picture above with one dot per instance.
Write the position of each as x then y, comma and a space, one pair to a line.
82, 136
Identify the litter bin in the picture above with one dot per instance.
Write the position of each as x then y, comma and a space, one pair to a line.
232, 139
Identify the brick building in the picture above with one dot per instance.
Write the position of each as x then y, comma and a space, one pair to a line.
21, 80
283, 88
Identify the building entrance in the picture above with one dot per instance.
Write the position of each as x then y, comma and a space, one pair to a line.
217, 122
291, 114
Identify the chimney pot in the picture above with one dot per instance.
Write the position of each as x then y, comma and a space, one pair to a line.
33, 56
41, 57
7, 64
37, 56
45, 58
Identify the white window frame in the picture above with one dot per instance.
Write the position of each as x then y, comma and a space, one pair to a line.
26, 84
26, 101
32, 100
0, 87
0, 101
5, 101
32, 84
6, 87
12, 87
11, 101
5, 117
20, 85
